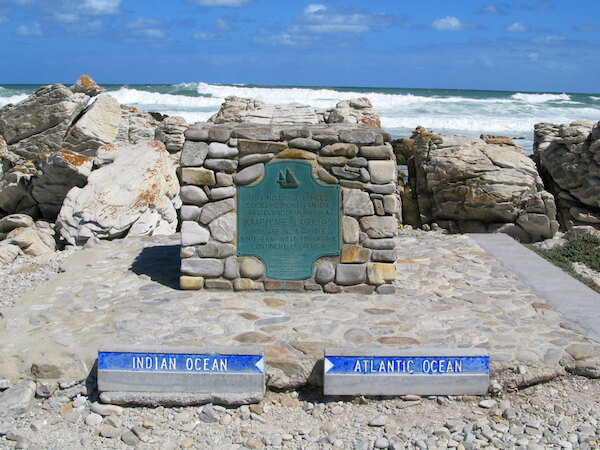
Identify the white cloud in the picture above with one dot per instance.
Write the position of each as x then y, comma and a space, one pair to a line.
451, 23
518, 27
145, 28
549, 39
313, 8
100, 7
225, 3
34, 29
490, 8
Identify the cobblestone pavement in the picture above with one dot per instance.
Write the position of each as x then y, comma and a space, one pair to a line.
449, 293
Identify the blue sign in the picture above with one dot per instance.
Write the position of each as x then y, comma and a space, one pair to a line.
407, 365
181, 363
288, 220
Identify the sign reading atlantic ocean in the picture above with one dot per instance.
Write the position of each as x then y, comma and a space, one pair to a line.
288, 220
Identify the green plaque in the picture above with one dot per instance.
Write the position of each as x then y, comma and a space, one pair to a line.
288, 220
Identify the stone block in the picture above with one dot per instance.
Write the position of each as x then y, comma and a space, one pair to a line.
326, 177
256, 133
221, 165
193, 195
332, 288
358, 162
288, 135
388, 188
340, 149
379, 244
215, 250
357, 203
192, 233
219, 134
217, 150
251, 267
218, 283
305, 144
196, 134
202, 267
391, 204
193, 154
249, 174
221, 193
324, 273
377, 151
358, 137
332, 161
197, 176
255, 158
247, 147
187, 252
191, 283
224, 179
296, 153
364, 289
325, 137
347, 274
16, 400
382, 172
383, 255
213, 210
346, 173
223, 228
385, 289
379, 226
350, 230
189, 212
135, 374
380, 273
246, 284
280, 285
397, 371
355, 254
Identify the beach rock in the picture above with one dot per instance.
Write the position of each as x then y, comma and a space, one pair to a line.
139, 185
86, 85
31, 241
171, 132
98, 125
16, 401
465, 184
355, 111
15, 190
232, 106
57, 173
8, 252
568, 156
40, 122
136, 126
248, 110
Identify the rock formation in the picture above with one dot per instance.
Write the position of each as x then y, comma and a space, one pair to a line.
358, 111
134, 192
568, 157
465, 184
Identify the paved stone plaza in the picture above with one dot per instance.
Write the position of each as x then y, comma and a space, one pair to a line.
449, 293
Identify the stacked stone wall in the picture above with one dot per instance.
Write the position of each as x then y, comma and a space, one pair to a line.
216, 159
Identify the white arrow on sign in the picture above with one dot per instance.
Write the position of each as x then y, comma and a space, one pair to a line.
328, 365
261, 364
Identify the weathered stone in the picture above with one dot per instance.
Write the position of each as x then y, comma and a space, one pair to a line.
255, 158
357, 203
216, 250
31, 241
348, 274
218, 283
256, 133
382, 172
382, 189
379, 273
221, 193
358, 162
280, 285
340, 149
326, 177
202, 267
223, 228
378, 205
196, 134
324, 273
8, 252
355, 111
224, 179
385, 289
355, 254
86, 85
217, 150
231, 270
219, 134
350, 230
391, 204
170, 131
358, 137
379, 226
538, 226
192, 233
189, 212
187, 252
136, 126
325, 136
191, 283
379, 244
246, 284
16, 400
251, 267
248, 147
198, 176
9, 223
193, 153
15, 190
289, 134
305, 143
377, 152
296, 153
193, 195
249, 174
211, 211
383, 255
330, 161
223, 165
347, 173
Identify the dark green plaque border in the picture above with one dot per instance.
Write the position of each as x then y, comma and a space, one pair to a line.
289, 177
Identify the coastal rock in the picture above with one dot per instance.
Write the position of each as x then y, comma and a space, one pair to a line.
15, 190
248, 110
568, 156
465, 184
171, 132
136, 126
86, 85
232, 106
355, 111
31, 241
140, 183
58, 172
16, 401
98, 125
40, 122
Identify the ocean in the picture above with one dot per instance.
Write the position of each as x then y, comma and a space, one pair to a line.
463, 112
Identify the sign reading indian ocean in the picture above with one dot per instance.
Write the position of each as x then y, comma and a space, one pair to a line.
406, 371
288, 220
180, 369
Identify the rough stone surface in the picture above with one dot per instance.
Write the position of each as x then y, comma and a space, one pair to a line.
135, 194
171, 133
356, 203
16, 400
249, 174
379, 226
349, 274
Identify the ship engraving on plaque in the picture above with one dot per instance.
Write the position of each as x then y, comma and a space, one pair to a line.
288, 220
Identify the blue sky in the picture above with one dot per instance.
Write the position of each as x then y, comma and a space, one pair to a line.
528, 45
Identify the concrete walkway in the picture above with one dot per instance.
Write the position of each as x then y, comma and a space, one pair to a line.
573, 299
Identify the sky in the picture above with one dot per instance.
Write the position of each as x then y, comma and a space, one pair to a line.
549, 46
